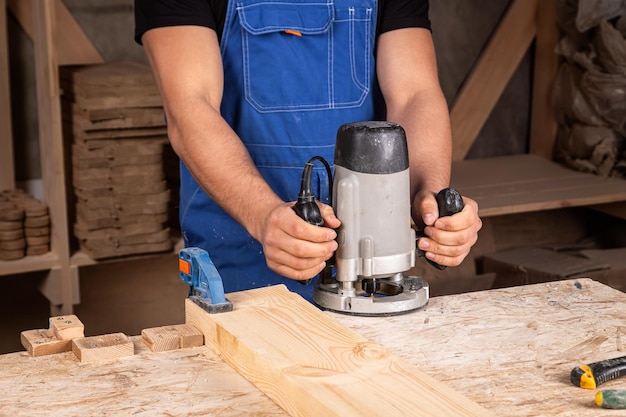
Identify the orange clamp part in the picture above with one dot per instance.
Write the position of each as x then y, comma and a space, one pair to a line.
183, 266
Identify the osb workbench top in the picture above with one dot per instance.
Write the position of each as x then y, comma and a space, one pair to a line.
510, 350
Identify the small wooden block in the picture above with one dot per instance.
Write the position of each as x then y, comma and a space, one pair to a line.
160, 339
67, 327
42, 342
102, 348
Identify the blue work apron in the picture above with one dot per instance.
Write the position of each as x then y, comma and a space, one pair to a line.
294, 71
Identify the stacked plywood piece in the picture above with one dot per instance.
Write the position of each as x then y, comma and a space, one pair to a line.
114, 118
24, 225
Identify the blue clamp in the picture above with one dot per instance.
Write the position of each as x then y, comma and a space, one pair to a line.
207, 290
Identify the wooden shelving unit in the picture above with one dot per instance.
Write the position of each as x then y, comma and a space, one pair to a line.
42, 19
58, 40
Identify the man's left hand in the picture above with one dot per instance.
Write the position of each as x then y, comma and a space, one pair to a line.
448, 239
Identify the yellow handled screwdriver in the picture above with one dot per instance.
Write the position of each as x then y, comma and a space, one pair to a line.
594, 374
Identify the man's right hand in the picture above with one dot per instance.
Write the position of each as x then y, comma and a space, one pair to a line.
294, 248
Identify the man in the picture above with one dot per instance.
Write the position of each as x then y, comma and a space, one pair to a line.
253, 89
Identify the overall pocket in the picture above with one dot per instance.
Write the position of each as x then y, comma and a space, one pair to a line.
305, 55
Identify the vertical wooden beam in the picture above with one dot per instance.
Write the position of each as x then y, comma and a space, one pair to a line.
51, 141
491, 74
71, 43
543, 126
7, 167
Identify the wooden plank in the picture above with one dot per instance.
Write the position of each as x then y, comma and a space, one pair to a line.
312, 366
489, 77
103, 348
7, 167
72, 44
522, 183
543, 126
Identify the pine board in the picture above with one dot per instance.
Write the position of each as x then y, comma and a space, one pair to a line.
311, 365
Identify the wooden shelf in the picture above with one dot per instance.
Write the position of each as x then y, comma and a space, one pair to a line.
80, 258
524, 183
29, 264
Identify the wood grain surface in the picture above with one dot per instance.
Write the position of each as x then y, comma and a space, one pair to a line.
313, 366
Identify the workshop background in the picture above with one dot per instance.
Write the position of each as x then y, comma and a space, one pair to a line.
130, 293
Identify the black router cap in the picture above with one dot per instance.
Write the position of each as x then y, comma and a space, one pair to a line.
372, 147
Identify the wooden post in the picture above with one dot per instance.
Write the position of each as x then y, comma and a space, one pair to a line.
543, 126
71, 44
491, 74
7, 168
51, 144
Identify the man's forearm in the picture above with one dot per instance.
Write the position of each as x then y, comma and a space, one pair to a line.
220, 163
426, 122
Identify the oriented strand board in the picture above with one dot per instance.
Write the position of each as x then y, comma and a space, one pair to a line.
312, 366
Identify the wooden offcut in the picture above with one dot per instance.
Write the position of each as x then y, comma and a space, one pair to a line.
311, 365
67, 327
42, 342
161, 339
103, 348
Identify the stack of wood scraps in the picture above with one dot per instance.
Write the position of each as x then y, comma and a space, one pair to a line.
114, 118
24, 225
67, 334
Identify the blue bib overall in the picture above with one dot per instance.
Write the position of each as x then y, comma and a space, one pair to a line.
294, 71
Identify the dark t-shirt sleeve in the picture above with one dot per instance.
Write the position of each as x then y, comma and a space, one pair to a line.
398, 14
150, 14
